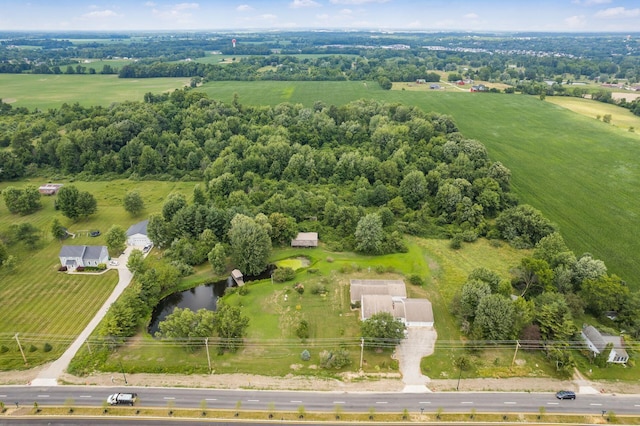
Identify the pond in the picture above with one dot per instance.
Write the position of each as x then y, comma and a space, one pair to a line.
202, 297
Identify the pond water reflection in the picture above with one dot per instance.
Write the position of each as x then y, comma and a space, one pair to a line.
201, 297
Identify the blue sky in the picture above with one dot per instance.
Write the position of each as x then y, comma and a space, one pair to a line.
469, 15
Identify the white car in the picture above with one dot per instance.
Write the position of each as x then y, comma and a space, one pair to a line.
113, 263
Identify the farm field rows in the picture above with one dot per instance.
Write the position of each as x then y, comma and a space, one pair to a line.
581, 173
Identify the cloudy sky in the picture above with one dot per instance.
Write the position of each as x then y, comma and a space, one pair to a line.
471, 15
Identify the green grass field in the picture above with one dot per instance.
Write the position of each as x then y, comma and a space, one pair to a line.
271, 346
582, 173
50, 91
37, 300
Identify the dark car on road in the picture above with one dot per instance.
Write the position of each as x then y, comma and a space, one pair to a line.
564, 394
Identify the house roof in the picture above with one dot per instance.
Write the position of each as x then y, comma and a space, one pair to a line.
71, 251
417, 310
307, 236
600, 341
376, 303
138, 228
395, 288
83, 252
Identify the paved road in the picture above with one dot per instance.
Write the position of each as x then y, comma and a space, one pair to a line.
50, 375
449, 402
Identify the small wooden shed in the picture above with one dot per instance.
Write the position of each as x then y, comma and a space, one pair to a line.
305, 239
237, 277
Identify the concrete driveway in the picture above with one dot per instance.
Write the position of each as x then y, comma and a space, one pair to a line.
49, 376
419, 342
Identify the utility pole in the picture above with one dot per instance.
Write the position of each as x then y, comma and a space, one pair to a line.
123, 375
21, 351
206, 344
361, 351
515, 353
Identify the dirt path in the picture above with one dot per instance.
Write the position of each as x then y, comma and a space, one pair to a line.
349, 383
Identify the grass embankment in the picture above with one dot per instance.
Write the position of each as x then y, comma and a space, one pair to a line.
47, 306
46, 91
435, 416
581, 173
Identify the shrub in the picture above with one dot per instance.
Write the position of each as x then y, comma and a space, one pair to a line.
47, 347
243, 290
281, 275
335, 359
4, 349
302, 331
456, 242
32, 348
318, 289
329, 259
299, 287
416, 279
313, 271
305, 355
469, 236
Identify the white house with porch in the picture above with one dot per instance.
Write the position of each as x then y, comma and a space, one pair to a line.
82, 256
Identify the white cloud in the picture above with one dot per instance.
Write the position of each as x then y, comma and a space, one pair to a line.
357, 1
99, 14
150, 4
297, 4
618, 12
179, 13
414, 24
346, 12
185, 6
244, 8
471, 16
576, 21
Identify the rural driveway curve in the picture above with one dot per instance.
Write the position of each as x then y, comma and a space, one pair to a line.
50, 375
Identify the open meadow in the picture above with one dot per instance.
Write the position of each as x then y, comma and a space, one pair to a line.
44, 91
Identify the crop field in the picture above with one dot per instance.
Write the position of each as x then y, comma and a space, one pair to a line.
620, 117
50, 91
581, 173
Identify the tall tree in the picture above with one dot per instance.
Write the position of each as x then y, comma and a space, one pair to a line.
133, 203
188, 327
57, 230
369, 234
218, 259
75, 204
115, 238
494, 318
250, 245
523, 226
382, 330
231, 326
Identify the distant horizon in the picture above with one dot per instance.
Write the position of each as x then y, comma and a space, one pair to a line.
317, 30
543, 16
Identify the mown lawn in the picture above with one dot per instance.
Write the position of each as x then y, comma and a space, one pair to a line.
47, 306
